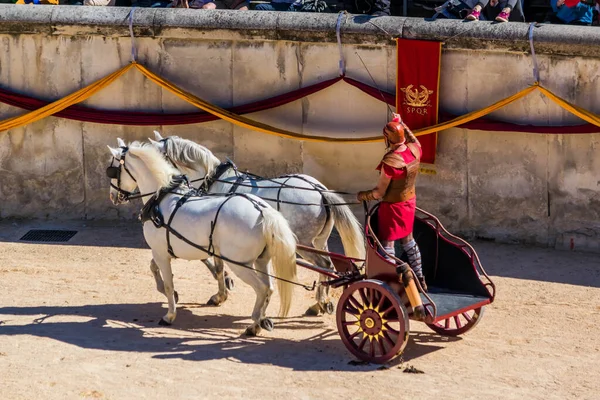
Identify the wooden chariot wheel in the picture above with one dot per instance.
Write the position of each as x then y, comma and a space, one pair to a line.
459, 324
372, 321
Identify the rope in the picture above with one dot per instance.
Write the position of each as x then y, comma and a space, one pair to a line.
536, 71
133, 48
338, 28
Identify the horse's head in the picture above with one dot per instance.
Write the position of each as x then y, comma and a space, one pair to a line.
122, 182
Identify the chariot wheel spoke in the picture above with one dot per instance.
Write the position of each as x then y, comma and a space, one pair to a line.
463, 322
355, 334
457, 321
381, 346
352, 300
351, 310
387, 310
372, 348
371, 299
388, 339
387, 325
362, 343
361, 291
349, 323
381, 300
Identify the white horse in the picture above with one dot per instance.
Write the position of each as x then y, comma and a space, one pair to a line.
229, 284
242, 230
308, 206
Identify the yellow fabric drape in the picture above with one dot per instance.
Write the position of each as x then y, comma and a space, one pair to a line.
246, 122
59, 105
573, 109
241, 120
475, 114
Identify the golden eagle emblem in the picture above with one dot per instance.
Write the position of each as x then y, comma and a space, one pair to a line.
414, 98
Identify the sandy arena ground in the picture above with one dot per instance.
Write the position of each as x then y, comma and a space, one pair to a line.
80, 321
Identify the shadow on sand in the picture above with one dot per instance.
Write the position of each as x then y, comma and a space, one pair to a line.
133, 327
539, 264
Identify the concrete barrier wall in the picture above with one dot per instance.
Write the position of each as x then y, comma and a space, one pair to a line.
513, 187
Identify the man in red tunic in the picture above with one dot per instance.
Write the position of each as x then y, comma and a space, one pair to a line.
396, 188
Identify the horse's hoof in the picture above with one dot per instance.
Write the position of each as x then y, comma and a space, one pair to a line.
267, 324
176, 296
214, 301
162, 322
328, 308
313, 311
229, 284
252, 331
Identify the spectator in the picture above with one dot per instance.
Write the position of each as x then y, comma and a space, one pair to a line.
197, 4
572, 12
278, 5
376, 8
240, 5
110, 3
53, 2
503, 16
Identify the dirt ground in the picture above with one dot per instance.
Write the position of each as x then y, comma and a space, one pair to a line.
79, 320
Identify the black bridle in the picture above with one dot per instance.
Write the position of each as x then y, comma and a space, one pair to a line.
164, 142
115, 173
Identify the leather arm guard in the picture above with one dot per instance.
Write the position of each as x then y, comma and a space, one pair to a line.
411, 136
365, 195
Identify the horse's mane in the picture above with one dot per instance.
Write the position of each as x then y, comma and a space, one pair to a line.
191, 154
155, 162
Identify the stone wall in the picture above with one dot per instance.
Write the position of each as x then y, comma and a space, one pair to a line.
513, 187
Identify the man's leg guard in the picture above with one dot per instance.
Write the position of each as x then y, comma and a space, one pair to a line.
389, 250
414, 259
406, 276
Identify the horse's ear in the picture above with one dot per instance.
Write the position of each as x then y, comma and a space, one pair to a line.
121, 142
154, 143
115, 152
157, 135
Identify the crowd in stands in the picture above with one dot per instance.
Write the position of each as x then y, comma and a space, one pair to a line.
576, 12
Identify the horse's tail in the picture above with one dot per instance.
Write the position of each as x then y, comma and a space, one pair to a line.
347, 225
281, 244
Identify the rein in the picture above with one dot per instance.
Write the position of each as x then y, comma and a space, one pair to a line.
224, 166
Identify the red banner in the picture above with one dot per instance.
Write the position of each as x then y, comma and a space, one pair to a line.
417, 88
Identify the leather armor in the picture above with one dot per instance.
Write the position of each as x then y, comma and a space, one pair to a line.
402, 189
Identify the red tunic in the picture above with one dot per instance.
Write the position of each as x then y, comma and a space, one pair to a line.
396, 220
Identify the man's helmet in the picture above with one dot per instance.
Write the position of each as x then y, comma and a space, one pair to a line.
394, 132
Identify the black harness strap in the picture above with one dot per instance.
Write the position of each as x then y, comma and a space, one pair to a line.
279, 192
213, 225
180, 202
236, 184
220, 170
